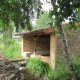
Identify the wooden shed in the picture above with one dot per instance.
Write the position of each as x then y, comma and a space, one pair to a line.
39, 43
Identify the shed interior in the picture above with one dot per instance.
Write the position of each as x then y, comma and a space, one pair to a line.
38, 44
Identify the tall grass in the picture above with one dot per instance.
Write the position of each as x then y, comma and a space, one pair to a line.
61, 72
13, 50
39, 67
76, 65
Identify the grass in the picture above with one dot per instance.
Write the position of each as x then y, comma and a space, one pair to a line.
13, 51
60, 73
39, 67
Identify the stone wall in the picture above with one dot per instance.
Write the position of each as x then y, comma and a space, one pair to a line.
73, 42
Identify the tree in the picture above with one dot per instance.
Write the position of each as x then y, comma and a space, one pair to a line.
43, 20
20, 12
62, 11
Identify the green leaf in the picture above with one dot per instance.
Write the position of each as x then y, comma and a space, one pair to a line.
78, 12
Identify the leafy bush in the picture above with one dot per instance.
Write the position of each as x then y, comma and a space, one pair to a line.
60, 73
13, 51
76, 65
39, 67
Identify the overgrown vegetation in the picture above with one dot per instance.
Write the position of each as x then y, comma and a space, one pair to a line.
43, 21
61, 72
76, 65
13, 49
39, 67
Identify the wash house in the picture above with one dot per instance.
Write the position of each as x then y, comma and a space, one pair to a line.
39, 43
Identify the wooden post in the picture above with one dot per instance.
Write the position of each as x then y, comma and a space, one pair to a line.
35, 40
23, 55
34, 47
52, 50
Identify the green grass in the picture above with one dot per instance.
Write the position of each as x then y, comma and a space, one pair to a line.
13, 51
76, 65
39, 67
60, 73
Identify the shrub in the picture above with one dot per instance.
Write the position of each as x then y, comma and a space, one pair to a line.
60, 73
39, 67
76, 65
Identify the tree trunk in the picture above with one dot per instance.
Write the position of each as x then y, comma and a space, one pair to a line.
7, 34
4, 36
68, 57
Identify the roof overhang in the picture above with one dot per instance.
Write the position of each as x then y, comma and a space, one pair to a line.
43, 31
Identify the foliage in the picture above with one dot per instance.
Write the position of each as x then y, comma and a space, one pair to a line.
9, 31
72, 32
78, 12
39, 67
10, 42
13, 50
21, 12
65, 9
6, 32
60, 73
76, 65
1, 25
43, 20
